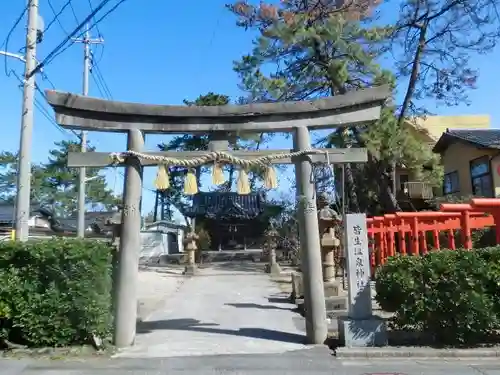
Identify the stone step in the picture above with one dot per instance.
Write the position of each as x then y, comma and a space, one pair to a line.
332, 303
335, 304
332, 288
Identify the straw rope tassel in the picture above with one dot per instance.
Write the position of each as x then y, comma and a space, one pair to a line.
270, 179
190, 184
162, 181
217, 174
243, 183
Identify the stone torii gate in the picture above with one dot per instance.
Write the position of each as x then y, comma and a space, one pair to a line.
92, 114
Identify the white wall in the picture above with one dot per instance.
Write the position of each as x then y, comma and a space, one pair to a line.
153, 244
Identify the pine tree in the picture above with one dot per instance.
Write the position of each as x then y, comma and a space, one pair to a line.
316, 49
54, 185
62, 182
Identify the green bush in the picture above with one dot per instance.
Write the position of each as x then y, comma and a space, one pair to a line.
453, 296
55, 292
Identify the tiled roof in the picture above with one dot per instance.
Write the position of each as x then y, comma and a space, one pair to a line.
483, 138
226, 205
7, 212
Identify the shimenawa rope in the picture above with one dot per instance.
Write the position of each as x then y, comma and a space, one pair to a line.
162, 180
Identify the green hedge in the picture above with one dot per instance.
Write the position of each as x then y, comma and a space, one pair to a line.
55, 292
453, 296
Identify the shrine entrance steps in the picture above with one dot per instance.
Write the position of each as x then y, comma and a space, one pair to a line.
220, 311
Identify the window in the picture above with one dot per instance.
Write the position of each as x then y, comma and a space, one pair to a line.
480, 174
451, 183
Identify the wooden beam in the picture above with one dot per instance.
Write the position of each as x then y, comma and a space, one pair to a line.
102, 159
87, 113
79, 120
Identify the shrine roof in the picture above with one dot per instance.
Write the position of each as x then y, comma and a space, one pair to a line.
83, 112
226, 205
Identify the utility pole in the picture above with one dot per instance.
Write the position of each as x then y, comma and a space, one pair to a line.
23, 197
87, 41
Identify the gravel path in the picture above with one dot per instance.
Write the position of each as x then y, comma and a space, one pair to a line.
220, 312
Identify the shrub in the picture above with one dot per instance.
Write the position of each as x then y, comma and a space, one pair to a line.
451, 295
55, 292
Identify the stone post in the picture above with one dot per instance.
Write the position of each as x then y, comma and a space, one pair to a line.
190, 247
271, 244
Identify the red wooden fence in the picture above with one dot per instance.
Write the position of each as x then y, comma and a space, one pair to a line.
409, 233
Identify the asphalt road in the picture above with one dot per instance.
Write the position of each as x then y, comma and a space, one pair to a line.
309, 361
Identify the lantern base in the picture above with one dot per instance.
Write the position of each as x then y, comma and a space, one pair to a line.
190, 270
273, 269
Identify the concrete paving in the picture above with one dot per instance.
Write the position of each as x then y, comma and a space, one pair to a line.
317, 361
155, 286
222, 310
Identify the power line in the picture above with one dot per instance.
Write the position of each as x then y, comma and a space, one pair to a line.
56, 16
48, 116
61, 47
9, 34
96, 72
18, 20
99, 35
98, 85
39, 105
74, 12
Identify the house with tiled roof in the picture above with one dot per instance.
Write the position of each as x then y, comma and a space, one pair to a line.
430, 130
471, 160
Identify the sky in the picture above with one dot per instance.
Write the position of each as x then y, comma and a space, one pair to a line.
159, 52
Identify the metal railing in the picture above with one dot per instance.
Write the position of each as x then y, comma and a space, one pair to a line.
418, 190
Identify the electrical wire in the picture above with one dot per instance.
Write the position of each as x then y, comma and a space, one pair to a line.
48, 116
9, 34
74, 12
99, 34
98, 85
61, 47
96, 71
39, 105
56, 16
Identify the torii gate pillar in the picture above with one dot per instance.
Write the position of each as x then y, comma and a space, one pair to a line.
130, 243
314, 294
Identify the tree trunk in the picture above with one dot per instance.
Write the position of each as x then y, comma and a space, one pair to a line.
351, 189
414, 74
230, 179
387, 196
198, 177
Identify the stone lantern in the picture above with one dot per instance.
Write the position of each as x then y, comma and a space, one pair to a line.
327, 220
190, 246
271, 244
115, 222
